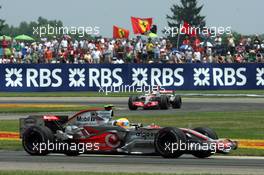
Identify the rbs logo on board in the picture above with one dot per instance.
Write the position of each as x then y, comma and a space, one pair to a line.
72, 77
34, 77
220, 77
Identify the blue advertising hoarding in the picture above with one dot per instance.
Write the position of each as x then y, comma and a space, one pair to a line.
93, 77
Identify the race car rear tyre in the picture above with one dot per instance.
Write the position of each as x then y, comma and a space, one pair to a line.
35, 140
168, 142
210, 133
130, 103
177, 102
163, 103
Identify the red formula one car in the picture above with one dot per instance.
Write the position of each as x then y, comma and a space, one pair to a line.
95, 131
155, 100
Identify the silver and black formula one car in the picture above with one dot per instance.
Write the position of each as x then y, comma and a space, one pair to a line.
155, 100
94, 131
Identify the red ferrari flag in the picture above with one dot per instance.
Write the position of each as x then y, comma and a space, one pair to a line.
120, 32
141, 25
188, 29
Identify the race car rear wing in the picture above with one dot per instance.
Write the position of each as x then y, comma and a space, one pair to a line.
167, 92
52, 122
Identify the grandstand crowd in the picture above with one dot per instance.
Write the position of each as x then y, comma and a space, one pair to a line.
138, 50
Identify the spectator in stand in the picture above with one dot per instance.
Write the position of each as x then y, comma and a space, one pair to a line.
156, 51
88, 57
70, 53
214, 58
231, 44
138, 50
150, 48
196, 44
48, 55
186, 41
63, 56
262, 47
34, 56
218, 45
85, 45
4, 47
169, 45
17, 52
144, 55
229, 58
28, 58
197, 56
239, 58
128, 52
64, 43
96, 55
163, 52
240, 49
206, 59
119, 50
107, 55
256, 43
220, 59
251, 56
259, 58
110, 51
12, 59
218, 40
248, 45
91, 45
189, 56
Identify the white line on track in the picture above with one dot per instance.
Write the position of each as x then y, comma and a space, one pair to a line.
186, 156
238, 157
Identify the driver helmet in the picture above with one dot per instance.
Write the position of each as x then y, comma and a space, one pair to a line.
122, 122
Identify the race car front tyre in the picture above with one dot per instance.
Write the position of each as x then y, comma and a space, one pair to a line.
35, 140
207, 132
130, 102
177, 102
169, 141
163, 103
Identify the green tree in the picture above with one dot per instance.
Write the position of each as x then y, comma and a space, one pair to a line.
28, 29
42, 22
186, 10
2, 24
